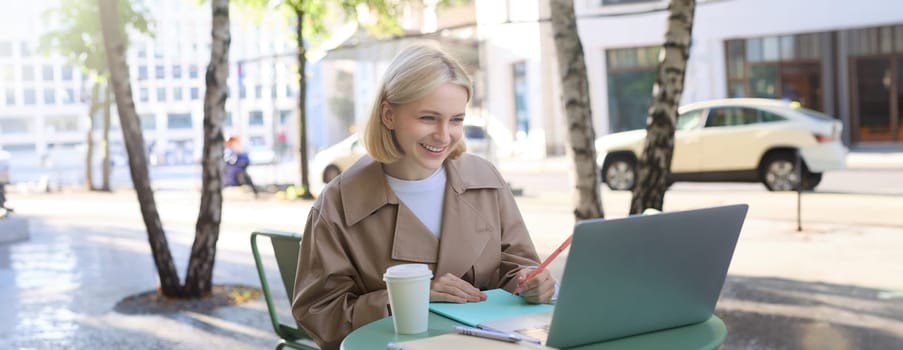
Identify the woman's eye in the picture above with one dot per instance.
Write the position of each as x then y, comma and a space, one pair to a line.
427, 118
457, 120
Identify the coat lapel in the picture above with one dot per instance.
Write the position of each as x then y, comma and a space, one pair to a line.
464, 234
413, 241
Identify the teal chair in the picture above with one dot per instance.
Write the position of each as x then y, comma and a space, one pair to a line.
285, 247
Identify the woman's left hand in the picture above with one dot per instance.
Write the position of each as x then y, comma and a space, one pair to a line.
539, 289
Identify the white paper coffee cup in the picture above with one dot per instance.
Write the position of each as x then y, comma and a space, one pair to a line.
409, 297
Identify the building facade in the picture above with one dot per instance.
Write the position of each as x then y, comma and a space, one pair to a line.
44, 100
843, 59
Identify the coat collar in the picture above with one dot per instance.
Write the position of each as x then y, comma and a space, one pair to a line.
465, 230
367, 176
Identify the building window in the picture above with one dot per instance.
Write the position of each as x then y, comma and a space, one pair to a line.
177, 94
27, 72
159, 72
7, 73
228, 120
15, 126
258, 91
61, 123
47, 72
143, 94
68, 95
161, 94
255, 118
195, 93
148, 122
178, 121
177, 71
631, 75
66, 73
30, 96
142, 72
193, 71
242, 91
6, 49
10, 97
49, 96
24, 49
521, 115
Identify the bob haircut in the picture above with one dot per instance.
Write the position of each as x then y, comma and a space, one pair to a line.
414, 73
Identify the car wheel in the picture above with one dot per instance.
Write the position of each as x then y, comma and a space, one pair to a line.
619, 173
779, 172
810, 180
330, 173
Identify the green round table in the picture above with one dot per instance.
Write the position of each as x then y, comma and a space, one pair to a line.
705, 335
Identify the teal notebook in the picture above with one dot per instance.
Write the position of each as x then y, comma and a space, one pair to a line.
499, 304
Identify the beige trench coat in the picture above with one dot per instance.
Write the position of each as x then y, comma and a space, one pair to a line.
357, 228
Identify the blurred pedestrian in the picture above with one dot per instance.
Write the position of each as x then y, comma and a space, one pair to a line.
237, 162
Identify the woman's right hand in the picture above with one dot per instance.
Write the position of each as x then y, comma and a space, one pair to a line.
452, 289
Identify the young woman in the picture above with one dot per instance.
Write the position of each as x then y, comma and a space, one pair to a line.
417, 198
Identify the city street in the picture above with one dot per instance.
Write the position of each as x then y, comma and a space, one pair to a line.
835, 284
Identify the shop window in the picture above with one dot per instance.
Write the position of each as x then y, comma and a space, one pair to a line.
631, 75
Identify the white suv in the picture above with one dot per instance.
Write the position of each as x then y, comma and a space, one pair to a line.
740, 140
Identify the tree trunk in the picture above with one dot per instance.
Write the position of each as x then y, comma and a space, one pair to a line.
575, 99
655, 164
105, 139
134, 143
302, 103
199, 277
89, 137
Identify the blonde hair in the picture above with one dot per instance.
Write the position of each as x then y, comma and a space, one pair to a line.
414, 73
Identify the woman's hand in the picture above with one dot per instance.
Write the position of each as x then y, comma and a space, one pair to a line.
451, 288
539, 289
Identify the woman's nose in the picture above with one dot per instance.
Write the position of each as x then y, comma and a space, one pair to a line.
442, 132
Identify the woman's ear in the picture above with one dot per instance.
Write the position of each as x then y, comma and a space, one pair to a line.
387, 115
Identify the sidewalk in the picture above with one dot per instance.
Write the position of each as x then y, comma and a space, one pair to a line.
834, 283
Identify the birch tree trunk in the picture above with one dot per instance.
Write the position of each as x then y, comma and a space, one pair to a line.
655, 164
575, 99
89, 137
105, 139
134, 143
199, 277
302, 104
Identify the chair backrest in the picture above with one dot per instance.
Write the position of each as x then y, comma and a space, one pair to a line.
286, 251
286, 246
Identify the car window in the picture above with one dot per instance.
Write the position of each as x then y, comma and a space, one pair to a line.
767, 117
474, 132
689, 120
731, 116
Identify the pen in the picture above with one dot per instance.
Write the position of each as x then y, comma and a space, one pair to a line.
482, 333
545, 263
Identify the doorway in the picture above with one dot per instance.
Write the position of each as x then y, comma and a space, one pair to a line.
877, 99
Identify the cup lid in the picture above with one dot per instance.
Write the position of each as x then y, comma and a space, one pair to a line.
408, 271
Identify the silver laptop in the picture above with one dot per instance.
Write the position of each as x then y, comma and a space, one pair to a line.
635, 275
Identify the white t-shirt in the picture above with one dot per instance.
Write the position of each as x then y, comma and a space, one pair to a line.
424, 198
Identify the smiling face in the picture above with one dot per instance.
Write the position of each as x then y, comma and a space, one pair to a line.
426, 130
